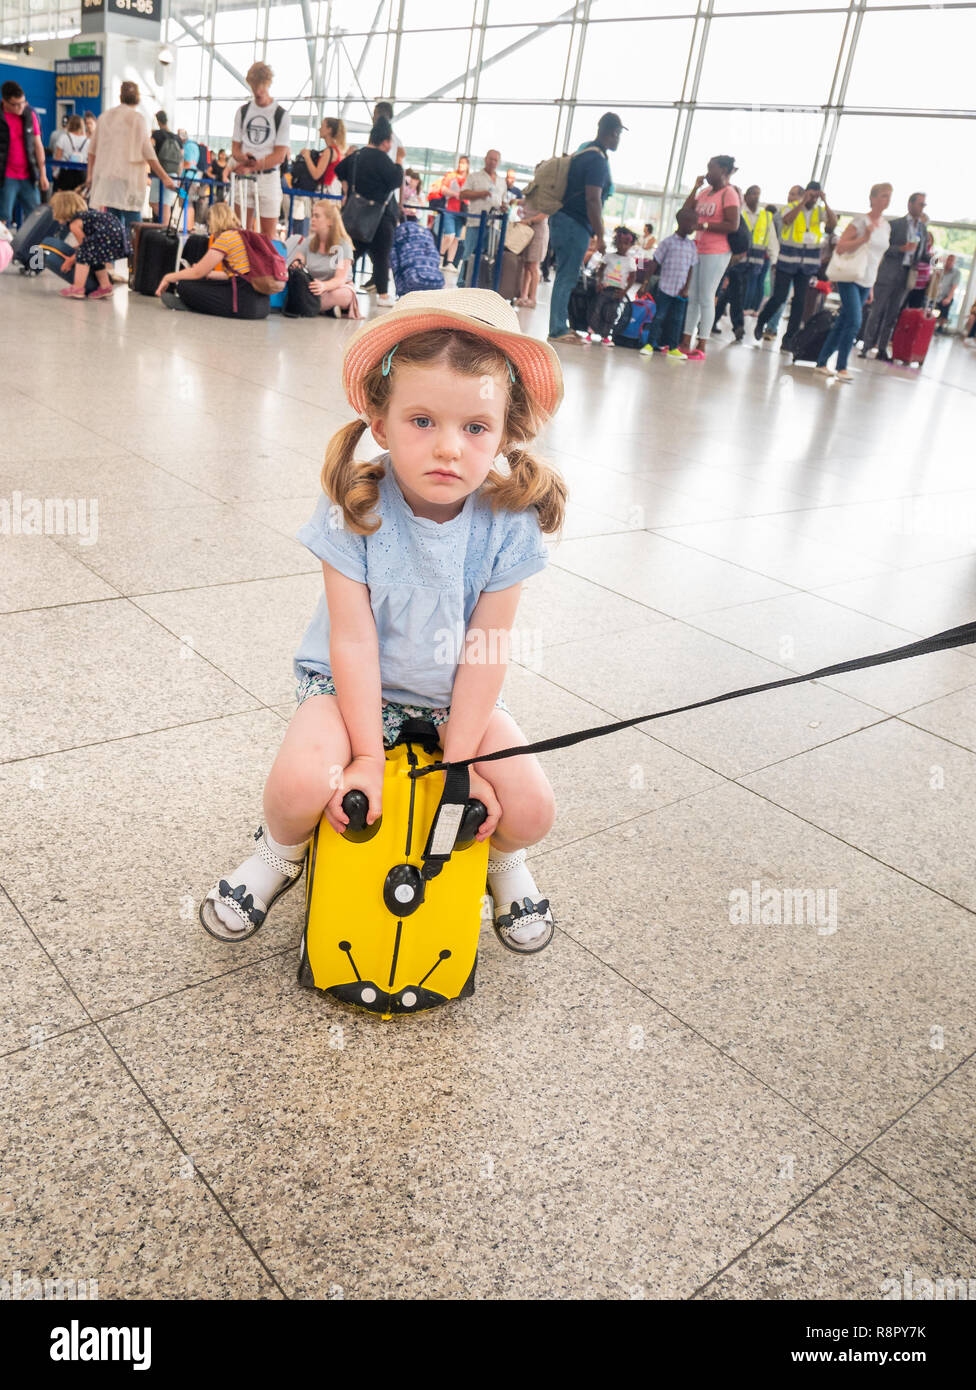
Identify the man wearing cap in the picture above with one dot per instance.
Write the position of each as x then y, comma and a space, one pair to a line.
799, 259
580, 218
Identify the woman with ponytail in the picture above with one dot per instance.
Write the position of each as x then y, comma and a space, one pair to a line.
424, 550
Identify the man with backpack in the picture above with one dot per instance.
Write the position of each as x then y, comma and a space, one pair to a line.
262, 130
169, 152
580, 216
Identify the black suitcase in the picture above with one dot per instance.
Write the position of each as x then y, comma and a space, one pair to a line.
35, 228
154, 251
581, 303
196, 247
812, 336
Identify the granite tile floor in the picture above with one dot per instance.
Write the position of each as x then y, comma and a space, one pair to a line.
745, 1067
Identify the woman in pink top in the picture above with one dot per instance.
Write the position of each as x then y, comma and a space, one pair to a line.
716, 204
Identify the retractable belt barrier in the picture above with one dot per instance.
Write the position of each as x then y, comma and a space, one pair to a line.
939, 642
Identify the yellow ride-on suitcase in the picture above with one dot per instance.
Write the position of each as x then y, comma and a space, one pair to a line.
393, 910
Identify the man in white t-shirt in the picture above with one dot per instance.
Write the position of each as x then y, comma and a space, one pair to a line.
262, 130
483, 191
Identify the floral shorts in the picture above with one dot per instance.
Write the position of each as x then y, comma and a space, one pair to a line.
393, 714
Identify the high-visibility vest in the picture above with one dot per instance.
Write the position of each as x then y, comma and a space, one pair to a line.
760, 227
795, 230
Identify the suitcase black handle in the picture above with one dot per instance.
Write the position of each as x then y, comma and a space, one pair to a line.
356, 806
475, 815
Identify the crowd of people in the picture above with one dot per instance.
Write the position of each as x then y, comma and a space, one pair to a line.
726, 246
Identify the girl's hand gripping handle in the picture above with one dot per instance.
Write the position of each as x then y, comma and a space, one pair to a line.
365, 774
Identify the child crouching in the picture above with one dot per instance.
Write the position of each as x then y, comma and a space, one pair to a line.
101, 242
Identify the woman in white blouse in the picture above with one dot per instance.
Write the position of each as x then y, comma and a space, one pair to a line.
868, 233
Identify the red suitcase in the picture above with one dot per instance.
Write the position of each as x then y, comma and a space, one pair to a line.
912, 336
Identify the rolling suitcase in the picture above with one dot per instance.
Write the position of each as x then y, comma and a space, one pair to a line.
812, 336
195, 248
33, 230
156, 250
912, 336
510, 283
154, 254
393, 910
56, 252
280, 299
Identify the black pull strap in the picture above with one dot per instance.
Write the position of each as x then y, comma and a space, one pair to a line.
939, 642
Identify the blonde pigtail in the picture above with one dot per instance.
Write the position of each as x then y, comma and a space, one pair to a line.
351, 484
531, 482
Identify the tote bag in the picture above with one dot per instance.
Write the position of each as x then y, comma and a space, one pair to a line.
849, 267
361, 215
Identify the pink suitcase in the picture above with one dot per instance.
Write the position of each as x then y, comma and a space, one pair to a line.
912, 336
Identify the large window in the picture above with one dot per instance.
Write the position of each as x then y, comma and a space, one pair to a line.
847, 91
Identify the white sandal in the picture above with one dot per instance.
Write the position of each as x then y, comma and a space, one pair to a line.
521, 915
243, 903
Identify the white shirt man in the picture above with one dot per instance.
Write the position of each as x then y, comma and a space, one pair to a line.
262, 131
485, 190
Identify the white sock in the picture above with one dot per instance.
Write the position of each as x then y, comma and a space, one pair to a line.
261, 880
510, 880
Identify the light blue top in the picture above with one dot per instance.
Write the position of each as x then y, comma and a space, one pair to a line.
424, 579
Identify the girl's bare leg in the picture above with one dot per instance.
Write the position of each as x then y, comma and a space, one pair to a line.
306, 771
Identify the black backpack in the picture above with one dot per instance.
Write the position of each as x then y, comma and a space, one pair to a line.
302, 179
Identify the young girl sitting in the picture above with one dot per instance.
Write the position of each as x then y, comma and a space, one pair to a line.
423, 553
207, 287
100, 239
327, 255
614, 277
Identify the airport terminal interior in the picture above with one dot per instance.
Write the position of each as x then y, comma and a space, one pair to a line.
744, 1067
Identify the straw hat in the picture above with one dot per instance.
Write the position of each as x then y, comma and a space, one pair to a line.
482, 312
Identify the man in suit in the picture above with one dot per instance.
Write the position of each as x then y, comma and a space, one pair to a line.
906, 241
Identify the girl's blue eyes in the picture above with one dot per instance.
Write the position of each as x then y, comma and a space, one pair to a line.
422, 421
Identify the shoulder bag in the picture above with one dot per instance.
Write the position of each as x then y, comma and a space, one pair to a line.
362, 216
848, 266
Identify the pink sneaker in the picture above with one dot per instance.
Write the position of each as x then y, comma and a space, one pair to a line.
696, 356
69, 292
101, 293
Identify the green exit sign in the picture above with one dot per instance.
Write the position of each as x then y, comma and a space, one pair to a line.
84, 48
